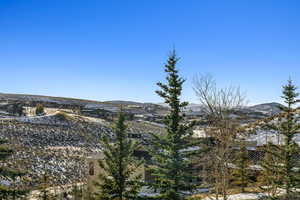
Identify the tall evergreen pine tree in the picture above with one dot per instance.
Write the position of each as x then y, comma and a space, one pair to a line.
172, 153
287, 153
121, 179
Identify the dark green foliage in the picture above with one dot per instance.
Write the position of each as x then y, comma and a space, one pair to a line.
172, 153
270, 179
120, 179
242, 174
7, 173
39, 109
287, 153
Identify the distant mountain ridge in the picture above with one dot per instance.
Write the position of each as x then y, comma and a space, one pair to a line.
31, 97
271, 108
265, 108
84, 104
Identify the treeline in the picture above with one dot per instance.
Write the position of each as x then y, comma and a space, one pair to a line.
182, 165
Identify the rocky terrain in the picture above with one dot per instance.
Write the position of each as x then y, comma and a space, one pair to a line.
58, 142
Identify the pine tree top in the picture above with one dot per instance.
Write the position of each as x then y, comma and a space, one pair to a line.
289, 93
171, 92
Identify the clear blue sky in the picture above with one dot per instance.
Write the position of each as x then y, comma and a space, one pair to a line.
109, 50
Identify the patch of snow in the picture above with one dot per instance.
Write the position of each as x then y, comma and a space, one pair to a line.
241, 196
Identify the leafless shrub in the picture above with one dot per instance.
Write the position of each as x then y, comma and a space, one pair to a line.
218, 104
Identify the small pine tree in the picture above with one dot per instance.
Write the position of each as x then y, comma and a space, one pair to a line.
286, 154
269, 179
241, 174
8, 173
39, 110
120, 179
172, 153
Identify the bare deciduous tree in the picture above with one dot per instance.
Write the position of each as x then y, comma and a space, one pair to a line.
218, 105
217, 102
